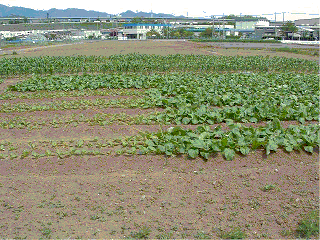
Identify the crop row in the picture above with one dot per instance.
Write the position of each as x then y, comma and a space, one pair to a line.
10, 95
203, 142
190, 98
214, 89
101, 119
256, 113
72, 104
152, 63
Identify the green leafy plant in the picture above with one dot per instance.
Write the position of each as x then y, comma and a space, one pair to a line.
309, 226
268, 187
235, 233
143, 233
202, 235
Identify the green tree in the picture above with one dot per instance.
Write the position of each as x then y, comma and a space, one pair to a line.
137, 20
305, 34
153, 34
316, 34
207, 33
288, 27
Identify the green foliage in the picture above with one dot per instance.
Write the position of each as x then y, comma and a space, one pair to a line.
268, 187
205, 141
207, 33
202, 235
309, 226
187, 98
153, 34
151, 63
168, 235
236, 40
46, 232
288, 27
143, 233
236, 233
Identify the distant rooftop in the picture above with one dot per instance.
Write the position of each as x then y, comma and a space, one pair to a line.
144, 24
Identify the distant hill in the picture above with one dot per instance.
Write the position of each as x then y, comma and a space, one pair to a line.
6, 11
145, 14
20, 11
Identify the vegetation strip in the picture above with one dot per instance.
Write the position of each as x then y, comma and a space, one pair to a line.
202, 142
151, 63
101, 119
11, 95
189, 98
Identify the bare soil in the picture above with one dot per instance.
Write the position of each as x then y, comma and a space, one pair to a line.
160, 47
117, 196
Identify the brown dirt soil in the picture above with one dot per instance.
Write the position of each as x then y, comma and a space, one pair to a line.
111, 196
107, 48
162, 47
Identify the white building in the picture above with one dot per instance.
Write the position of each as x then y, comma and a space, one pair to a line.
139, 30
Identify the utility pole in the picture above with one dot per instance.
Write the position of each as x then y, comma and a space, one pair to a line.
283, 16
212, 25
223, 33
275, 23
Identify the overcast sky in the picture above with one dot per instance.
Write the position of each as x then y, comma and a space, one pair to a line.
193, 8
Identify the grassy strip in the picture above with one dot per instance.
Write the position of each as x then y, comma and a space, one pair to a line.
311, 52
303, 51
236, 40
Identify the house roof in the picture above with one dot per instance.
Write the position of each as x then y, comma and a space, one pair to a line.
144, 24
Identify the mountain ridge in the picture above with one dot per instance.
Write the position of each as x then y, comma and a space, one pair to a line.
6, 11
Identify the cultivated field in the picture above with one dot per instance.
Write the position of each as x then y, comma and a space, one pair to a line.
163, 140
161, 47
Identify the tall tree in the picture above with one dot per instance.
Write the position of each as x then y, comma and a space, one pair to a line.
153, 34
207, 33
288, 27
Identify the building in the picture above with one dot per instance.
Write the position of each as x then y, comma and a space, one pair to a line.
307, 22
308, 28
139, 30
247, 27
197, 29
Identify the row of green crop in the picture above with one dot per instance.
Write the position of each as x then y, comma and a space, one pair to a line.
72, 104
245, 114
74, 120
10, 95
204, 141
214, 89
152, 63
190, 98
